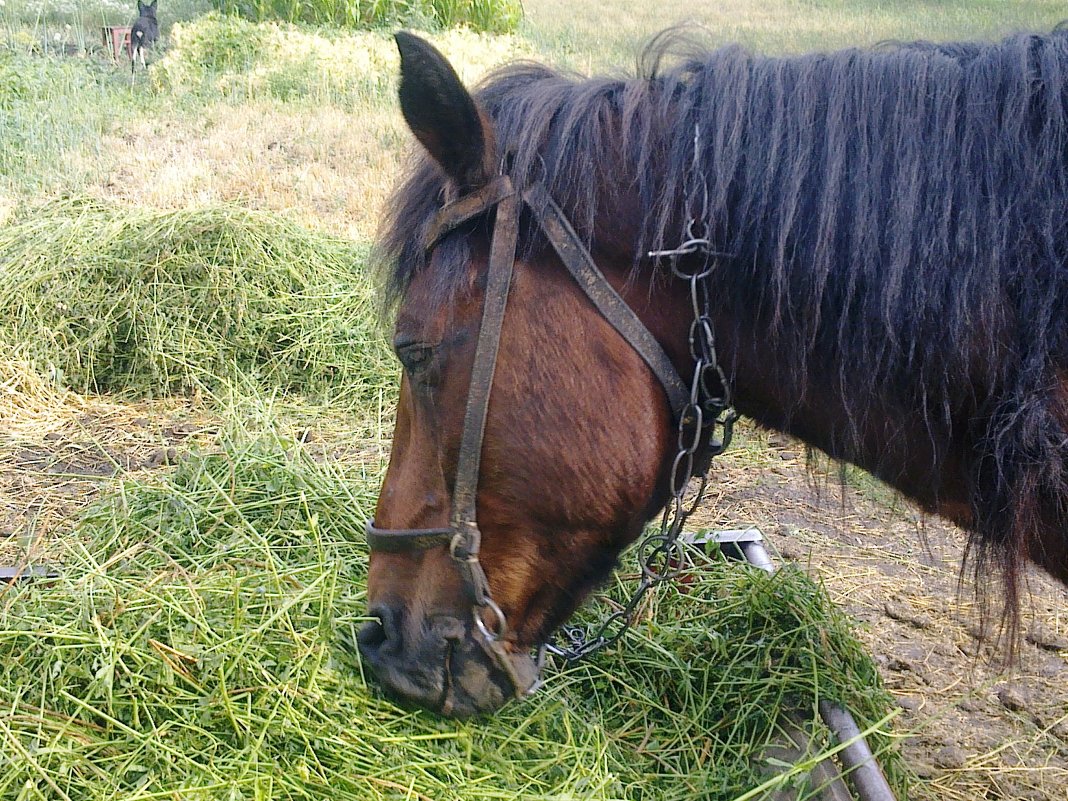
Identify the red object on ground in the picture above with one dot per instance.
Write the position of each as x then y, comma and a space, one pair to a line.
116, 40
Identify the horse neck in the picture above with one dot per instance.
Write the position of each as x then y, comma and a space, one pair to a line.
921, 456
885, 437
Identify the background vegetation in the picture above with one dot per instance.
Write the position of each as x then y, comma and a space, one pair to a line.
495, 16
85, 16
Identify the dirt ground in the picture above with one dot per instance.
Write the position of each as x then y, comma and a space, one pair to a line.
972, 728
60, 452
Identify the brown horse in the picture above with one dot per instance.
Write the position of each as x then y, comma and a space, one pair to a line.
880, 244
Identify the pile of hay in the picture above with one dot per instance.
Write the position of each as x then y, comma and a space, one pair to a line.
103, 298
199, 646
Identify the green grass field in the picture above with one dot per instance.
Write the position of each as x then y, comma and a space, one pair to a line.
183, 272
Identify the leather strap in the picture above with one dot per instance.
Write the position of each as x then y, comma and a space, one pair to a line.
453, 215
408, 539
578, 261
498, 282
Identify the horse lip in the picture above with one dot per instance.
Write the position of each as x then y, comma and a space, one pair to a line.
474, 683
523, 671
451, 672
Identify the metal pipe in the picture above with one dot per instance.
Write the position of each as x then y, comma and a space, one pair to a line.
863, 769
9, 575
756, 555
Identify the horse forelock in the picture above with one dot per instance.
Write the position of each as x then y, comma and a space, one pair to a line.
897, 216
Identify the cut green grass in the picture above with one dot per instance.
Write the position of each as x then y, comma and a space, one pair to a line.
199, 644
106, 298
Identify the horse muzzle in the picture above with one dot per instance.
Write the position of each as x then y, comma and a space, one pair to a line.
443, 664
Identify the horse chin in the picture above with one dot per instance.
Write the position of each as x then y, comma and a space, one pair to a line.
477, 685
452, 672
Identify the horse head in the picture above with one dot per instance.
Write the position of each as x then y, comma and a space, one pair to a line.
573, 454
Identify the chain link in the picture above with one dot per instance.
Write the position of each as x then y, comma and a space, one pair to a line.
705, 427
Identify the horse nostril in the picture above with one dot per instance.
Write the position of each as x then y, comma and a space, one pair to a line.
376, 633
371, 636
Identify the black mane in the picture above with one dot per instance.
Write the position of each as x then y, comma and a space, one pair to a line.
898, 218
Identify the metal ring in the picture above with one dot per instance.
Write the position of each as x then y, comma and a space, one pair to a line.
687, 248
679, 480
502, 627
689, 440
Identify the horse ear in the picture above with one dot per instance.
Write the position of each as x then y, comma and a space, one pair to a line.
442, 113
140, 6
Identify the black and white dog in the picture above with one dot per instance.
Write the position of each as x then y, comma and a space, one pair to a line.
143, 33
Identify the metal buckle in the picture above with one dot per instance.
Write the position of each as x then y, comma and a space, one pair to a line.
459, 548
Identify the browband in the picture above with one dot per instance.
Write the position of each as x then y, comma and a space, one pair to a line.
452, 215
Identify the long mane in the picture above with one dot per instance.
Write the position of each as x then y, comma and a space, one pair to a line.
897, 218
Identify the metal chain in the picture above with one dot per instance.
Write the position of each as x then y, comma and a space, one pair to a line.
704, 431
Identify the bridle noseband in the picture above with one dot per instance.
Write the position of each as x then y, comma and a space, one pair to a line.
462, 536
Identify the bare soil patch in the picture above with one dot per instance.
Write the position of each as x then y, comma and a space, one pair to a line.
60, 454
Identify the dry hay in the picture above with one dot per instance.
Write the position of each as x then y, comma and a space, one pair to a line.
101, 298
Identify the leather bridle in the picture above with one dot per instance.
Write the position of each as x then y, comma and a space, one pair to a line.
462, 535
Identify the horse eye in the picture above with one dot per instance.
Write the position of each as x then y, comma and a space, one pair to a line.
415, 357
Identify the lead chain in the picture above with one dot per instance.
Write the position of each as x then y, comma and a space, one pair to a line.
707, 414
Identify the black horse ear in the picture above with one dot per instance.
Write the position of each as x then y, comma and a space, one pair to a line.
140, 6
442, 114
